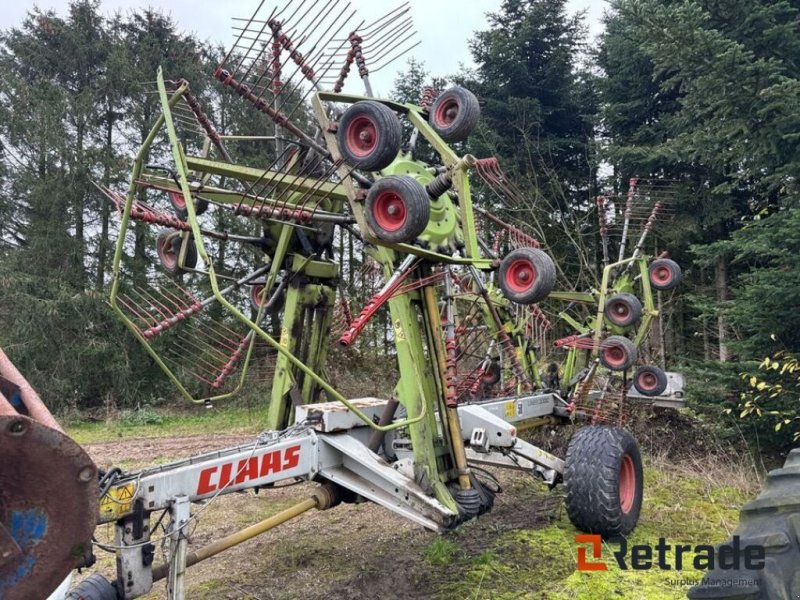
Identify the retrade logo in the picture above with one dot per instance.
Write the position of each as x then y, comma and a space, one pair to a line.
664, 556
597, 552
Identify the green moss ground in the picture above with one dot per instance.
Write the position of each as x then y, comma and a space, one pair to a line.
680, 505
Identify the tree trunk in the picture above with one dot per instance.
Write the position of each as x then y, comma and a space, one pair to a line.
721, 283
105, 208
79, 199
139, 253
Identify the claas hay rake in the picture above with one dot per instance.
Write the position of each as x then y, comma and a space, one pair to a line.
254, 289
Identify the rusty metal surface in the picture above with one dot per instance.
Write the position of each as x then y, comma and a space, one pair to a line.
48, 507
33, 403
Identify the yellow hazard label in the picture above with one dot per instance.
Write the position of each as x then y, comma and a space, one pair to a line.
117, 502
399, 334
511, 410
285, 337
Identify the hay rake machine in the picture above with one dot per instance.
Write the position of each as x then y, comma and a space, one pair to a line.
249, 291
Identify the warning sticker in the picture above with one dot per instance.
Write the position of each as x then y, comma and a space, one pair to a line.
511, 410
117, 502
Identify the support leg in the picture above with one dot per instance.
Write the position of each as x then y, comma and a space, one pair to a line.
179, 516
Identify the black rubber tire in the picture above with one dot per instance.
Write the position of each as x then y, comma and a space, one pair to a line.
623, 310
255, 291
604, 481
773, 521
179, 206
168, 248
650, 381
94, 587
397, 209
491, 375
664, 274
617, 353
454, 114
526, 275
369, 135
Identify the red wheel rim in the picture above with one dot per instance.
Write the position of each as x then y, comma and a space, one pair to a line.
490, 375
615, 356
255, 295
662, 275
647, 381
446, 113
620, 311
361, 136
177, 200
627, 484
520, 275
167, 253
389, 211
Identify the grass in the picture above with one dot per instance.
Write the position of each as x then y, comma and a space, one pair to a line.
441, 552
159, 424
685, 504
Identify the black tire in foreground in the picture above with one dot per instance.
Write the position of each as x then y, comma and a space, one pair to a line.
369, 135
773, 521
454, 114
397, 208
526, 275
650, 381
604, 481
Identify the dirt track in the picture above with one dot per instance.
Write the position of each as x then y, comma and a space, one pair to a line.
357, 552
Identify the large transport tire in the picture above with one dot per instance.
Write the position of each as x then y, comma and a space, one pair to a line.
397, 209
604, 481
664, 274
773, 521
650, 381
623, 310
526, 275
168, 247
454, 114
369, 135
617, 353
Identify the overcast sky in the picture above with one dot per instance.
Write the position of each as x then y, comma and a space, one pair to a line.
445, 26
